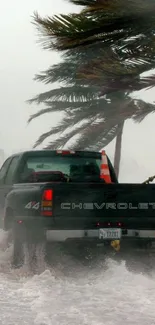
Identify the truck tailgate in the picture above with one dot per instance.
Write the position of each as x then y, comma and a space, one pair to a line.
80, 205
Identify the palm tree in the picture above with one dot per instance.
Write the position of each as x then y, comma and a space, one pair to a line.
112, 46
80, 104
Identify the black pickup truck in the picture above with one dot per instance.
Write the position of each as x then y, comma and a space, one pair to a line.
57, 194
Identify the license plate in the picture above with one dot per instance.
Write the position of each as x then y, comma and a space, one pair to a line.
110, 233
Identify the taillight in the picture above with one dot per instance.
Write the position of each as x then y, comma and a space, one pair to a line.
47, 195
46, 203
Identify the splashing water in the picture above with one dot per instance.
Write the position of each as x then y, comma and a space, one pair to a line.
72, 293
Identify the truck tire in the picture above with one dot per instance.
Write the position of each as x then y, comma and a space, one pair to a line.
18, 246
35, 243
26, 241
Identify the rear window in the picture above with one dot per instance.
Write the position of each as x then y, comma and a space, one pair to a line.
74, 167
66, 165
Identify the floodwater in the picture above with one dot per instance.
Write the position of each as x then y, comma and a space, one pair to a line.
71, 293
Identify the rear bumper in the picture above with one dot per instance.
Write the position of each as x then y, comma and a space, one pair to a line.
62, 235
93, 234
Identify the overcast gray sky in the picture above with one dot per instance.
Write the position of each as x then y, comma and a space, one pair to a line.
21, 59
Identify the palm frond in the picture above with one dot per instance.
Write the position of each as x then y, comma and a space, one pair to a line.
105, 48
83, 2
112, 19
93, 123
67, 123
139, 5
68, 31
97, 135
79, 109
62, 72
67, 94
114, 75
60, 128
143, 110
62, 139
40, 113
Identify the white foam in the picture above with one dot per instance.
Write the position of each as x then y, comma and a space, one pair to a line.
108, 294
114, 296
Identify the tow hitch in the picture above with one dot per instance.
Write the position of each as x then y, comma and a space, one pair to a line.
116, 245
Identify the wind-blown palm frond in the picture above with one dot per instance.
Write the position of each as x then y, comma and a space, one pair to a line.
77, 107
104, 136
83, 2
127, 30
95, 133
97, 136
105, 50
93, 120
143, 109
62, 140
66, 94
131, 5
62, 72
67, 123
60, 128
101, 20
111, 74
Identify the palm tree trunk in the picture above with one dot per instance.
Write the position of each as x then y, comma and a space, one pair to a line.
118, 146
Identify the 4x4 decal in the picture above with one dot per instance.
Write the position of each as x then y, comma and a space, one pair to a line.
32, 205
